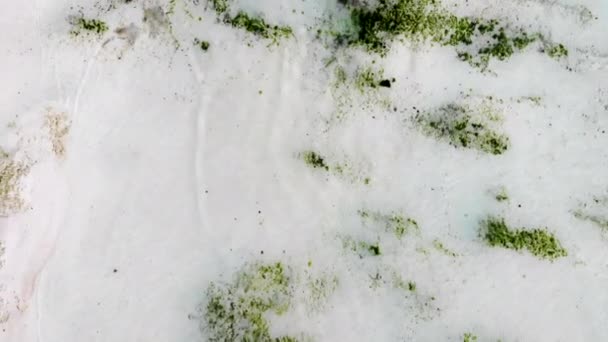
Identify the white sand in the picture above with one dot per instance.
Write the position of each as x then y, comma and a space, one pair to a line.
177, 172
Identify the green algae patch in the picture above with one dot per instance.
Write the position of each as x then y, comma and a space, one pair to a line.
202, 44
539, 242
89, 25
468, 337
358, 88
220, 6
557, 51
319, 289
476, 40
255, 25
393, 222
367, 78
259, 27
375, 26
11, 174
315, 160
362, 248
236, 311
500, 194
455, 124
343, 170
399, 283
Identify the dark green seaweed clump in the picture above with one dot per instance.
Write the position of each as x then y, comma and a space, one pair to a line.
235, 311
453, 123
539, 242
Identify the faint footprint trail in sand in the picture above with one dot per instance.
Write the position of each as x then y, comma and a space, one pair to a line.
32, 203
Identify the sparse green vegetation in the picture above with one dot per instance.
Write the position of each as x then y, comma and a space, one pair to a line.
595, 211
253, 24
453, 123
92, 25
539, 242
314, 160
396, 223
220, 6
203, 44
374, 249
440, 247
411, 286
259, 27
361, 247
468, 337
598, 220
236, 311
501, 195
319, 290
368, 78
478, 40
557, 51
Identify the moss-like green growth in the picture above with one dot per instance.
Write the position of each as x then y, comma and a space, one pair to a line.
468, 337
557, 51
92, 25
454, 124
259, 27
203, 44
315, 160
539, 242
395, 223
235, 311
